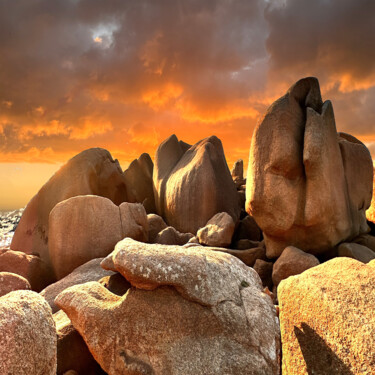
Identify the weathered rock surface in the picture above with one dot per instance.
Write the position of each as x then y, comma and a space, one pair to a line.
139, 185
87, 227
327, 320
92, 172
193, 183
171, 236
155, 225
218, 231
72, 351
31, 267
90, 271
356, 251
248, 256
264, 270
307, 185
292, 262
27, 335
10, 282
237, 173
190, 311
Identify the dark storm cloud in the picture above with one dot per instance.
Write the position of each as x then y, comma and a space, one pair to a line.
332, 40
126, 74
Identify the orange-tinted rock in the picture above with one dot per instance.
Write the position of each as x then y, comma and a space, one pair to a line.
307, 185
31, 267
10, 282
189, 311
327, 320
90, 271
72, 351
92, 172
27, 335
248, 256
139, 185
292, 262
218, 231
88, 227
193, 183
171, 236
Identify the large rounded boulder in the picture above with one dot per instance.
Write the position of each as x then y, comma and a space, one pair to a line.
193, 183
93, 171
87, 227
189, 311
27, 335
307, 185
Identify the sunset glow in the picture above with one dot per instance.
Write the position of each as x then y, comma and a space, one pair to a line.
126, 75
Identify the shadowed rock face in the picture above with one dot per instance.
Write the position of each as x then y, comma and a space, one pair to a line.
193, 183
307, 186
189, 311
327, 319
92, 172
139, 186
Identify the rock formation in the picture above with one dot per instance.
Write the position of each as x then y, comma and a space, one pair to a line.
10, 282
139, 185
31, 267
193, 183
307, 185
221, 321
327, 319
92, 171
218, 231
88, 227
90, 271
27, 335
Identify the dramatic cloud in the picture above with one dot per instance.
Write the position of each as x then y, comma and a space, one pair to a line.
124, 75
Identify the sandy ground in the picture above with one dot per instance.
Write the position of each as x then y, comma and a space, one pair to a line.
8, 224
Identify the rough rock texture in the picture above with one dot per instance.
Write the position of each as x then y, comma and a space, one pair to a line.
31, 267
356, 251
248, 256
139, 185
72, 351
218, 231
90, 271
327, 319
92, 171
155, 225
190, 311
87, 227
264, 270
193, 183
10, 282
171, 236
27, 335
307, 185
134, 221
292, 262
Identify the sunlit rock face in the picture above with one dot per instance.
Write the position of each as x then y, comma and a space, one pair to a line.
27, 335
370, 213
92, 171
307, 185
189, 311
327, 319
193, 183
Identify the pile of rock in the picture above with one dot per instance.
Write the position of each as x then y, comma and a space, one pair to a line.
165, 269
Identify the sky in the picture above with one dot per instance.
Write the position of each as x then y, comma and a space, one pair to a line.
124, 75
